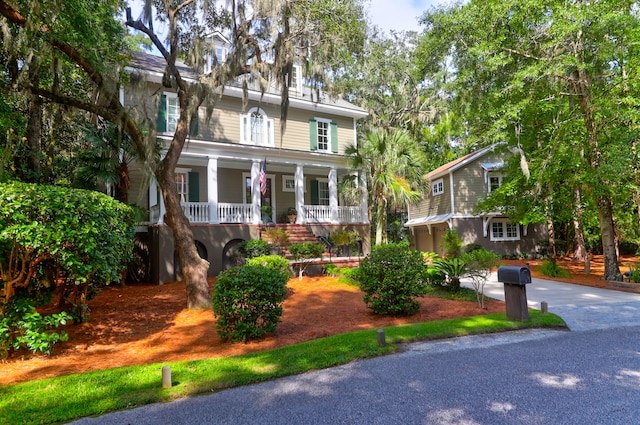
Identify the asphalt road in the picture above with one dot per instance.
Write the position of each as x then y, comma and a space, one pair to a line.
590, 375
532, 377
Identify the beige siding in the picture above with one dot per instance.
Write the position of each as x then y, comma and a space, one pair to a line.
433, 205
139, 189
471, 185
231, 191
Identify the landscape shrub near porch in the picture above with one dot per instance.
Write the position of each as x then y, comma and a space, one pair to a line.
56, 241
392, 277
248, 301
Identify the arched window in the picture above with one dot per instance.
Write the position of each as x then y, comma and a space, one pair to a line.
256, 128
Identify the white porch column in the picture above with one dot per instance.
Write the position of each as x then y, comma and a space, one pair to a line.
333, 194
255, 192
212, 190
299, 177
364, 197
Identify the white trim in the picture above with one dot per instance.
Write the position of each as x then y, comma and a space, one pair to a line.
490, 175
437, 187
452, 194
504, 222
328, 122
267, 130
285, 186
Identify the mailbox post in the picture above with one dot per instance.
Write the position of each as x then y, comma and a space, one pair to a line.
515, 279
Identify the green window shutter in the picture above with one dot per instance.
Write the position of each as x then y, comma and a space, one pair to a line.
315, 193
334, 137
313, 135
194, 187
195, 128
161, 124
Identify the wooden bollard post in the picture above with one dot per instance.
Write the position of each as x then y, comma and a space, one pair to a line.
166, 377
381, 338
544, 307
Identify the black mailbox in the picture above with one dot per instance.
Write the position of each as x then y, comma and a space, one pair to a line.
515, 279
514, 275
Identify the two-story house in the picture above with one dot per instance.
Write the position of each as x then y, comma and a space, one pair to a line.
238, 171
455, 189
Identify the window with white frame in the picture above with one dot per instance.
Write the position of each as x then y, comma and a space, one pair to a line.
504, 230
288, 184
296, 78
256, 128
182, 183
495, 181
323, 191
437, 187
168, 113
324, 135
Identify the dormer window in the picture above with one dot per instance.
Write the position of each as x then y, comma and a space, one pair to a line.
296, 78
495, 181
437, 187
256, 128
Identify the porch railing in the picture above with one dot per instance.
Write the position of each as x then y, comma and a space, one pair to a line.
199, 212
196, 212
234, 213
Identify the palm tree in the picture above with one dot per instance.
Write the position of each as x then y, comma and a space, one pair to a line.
392, 165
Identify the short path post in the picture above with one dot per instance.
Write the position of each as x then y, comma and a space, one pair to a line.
544, 307
381, 338
166, 377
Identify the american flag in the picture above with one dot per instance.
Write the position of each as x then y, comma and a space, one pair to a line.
263, 178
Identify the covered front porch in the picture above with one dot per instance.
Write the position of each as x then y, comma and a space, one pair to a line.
217, 190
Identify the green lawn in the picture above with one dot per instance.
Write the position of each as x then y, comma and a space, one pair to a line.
70, 397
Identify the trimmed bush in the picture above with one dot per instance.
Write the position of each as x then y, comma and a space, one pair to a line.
248, 302
275, 262
255, 248
392, 277
552, 269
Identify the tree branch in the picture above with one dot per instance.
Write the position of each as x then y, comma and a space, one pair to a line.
523, 54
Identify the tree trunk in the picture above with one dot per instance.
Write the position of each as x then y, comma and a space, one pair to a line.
194, 269
34, 128
579, 249
550, 230
607, 227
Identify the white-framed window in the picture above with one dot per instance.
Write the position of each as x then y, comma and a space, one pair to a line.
324, 134
182, 183
256, 128
168, 113
288, 184
221, 54
495, 181
504, 230
323, 191
296, 78
437, 187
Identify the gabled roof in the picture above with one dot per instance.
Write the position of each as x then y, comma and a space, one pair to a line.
308, 99
460, 162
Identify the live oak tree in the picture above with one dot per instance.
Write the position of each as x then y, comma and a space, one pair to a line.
558, 82
267, 38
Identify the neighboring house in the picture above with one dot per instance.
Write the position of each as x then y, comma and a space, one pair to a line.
220, 169
455, 189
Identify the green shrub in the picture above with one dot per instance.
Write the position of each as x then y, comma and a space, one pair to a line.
255, 248
451, 244
552, 269
248, 301
453, 269
479, 264
22, 326
392, 277
275, 262
348, 275
82, 238
303, 252
278, 238
472, 247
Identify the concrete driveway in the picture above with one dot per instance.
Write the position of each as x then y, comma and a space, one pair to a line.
581, 307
